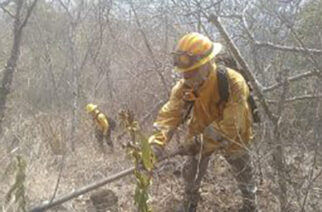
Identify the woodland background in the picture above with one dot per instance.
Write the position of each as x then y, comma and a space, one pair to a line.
58, 55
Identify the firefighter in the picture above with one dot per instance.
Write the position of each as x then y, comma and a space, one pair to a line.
213, 122
103, 126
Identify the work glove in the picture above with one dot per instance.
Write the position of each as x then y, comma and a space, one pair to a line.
191, 146
156, 142
212, 133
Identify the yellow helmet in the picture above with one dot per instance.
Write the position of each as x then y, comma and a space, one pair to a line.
194, 50
90, 108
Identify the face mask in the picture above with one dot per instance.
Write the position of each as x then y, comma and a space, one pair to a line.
194, 82
196, 79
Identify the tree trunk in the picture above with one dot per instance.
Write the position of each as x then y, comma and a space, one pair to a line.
19, 24
279, 161
75, 84
11, 63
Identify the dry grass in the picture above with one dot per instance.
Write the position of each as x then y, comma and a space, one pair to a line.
43, 139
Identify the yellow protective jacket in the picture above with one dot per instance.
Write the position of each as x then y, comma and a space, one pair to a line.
232, 119
101, 121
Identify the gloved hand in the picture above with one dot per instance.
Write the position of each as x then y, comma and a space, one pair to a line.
212, 133
191, 146
156, 142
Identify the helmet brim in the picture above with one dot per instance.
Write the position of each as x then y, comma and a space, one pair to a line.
91, 108
217, 47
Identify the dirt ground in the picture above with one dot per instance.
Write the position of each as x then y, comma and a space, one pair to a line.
88, 164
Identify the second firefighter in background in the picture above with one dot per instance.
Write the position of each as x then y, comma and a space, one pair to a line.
103, 126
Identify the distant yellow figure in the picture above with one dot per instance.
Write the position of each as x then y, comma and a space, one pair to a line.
103, 125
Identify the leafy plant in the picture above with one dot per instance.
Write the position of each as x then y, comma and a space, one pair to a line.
143, 158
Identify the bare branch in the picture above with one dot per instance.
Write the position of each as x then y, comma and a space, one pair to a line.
271, 45
298, 98
29, 11
245, 25
317, 68
311, 176
287, 48
81, 191
238, 16
46, 205
290, 79
146, 41
247, 73
283, 96
147, 44
8, 12
5, 3
62, 165
66, 9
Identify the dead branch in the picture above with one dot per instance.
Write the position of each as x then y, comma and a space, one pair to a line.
287, 48
310, 56
62, 165
148, 46
6, 83
3, 7
303, 49
247, 73
271, 45
5, 3
85, 189
46, 205
29, 11
290, 79
311, 174
297, 98
283, 96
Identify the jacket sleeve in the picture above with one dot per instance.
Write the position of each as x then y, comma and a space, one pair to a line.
169, 117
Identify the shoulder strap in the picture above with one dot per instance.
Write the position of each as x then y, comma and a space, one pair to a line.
223, 84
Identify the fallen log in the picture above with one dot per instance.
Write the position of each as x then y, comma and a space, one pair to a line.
64, 198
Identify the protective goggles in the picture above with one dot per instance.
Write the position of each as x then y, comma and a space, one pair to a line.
183, 59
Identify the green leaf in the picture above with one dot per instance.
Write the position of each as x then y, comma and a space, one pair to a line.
147, 154
140, 152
